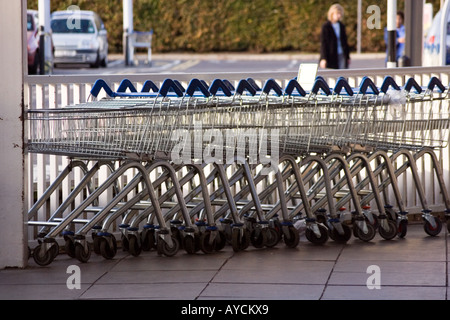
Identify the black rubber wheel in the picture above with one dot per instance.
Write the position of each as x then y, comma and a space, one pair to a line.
221, 241
96, 243
271, 238
257, 238
69, 247
106, 250
164, 248
402, 228
312, 237
293, 239
388, 234
365, 236
239, 242
341, 238
97, 62
125, 243
133, 246
148, 240
189, 244
81, 254
433, 231
46, 258
205, 244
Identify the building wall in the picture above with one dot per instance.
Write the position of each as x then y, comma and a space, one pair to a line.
13, 251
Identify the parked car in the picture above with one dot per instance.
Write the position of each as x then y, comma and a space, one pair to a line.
33, 41
79, 37
432, 45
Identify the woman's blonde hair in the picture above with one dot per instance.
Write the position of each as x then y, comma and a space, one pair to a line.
335, 7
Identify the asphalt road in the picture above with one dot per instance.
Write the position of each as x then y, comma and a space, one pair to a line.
191, 63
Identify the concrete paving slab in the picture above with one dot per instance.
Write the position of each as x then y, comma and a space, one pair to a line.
258, 291
392, 273
159, 291
412, 268
385, 293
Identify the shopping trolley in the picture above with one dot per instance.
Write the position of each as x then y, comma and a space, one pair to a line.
163, 124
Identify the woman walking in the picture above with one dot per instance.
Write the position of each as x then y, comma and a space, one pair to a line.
334, 52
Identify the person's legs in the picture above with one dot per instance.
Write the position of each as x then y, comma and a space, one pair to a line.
342, 62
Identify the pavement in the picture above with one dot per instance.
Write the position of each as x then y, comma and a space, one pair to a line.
413, 268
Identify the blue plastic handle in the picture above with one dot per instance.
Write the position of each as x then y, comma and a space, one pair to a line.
99, 85
253, 83
168, 85
228, 84
435, 82
294, 85
411, 83
270, 85
244, 85
368, 83
179, 85
320, 83
389, 82
195, 85
149, 85
126, 84
343, 84
217, 85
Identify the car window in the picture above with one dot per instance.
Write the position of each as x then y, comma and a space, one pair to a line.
71, 26
30, 22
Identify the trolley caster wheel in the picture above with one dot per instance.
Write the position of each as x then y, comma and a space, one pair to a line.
365, 236
341, 238
293, 237
81, 253
177, 234
240, 242
108, 247
271, 238
133, 246
96, 243
433, 231
258, 238
125, 243
390, 233
148, 239
312, 237
163, 248
69, 248
205, 242
189, 244
45, 258
402, 228
221, 241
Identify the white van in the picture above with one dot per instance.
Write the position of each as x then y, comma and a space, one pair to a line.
432, 43
79, 37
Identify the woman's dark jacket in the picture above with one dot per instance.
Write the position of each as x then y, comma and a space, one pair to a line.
329, 45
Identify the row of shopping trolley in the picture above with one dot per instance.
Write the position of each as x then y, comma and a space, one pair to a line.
212, 165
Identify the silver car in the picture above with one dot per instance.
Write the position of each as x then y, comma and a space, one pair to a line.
79, 37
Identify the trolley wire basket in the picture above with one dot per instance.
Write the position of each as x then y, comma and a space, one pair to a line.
244, 120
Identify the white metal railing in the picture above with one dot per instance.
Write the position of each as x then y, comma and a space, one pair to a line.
59, 91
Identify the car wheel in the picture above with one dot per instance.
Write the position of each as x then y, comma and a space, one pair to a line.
96, 64
104, 62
